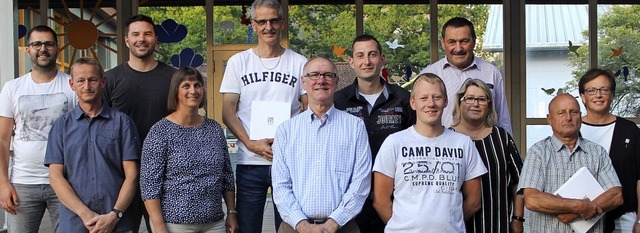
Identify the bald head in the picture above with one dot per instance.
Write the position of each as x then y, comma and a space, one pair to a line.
564, 117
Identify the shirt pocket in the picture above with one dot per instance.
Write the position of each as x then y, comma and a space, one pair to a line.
108, 142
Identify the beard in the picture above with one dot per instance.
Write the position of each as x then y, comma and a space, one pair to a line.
43, 65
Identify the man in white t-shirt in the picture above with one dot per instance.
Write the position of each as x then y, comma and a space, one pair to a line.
432, 172
28, 107
268, 73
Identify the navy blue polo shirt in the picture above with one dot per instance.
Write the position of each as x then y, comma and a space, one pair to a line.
92, 152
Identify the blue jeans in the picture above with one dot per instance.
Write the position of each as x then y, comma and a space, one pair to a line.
253, 181
33, 199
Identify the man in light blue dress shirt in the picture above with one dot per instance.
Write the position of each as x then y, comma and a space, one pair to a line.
321, 160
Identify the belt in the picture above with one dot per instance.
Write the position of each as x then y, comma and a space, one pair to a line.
317, 221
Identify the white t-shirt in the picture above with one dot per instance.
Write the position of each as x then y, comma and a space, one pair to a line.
34, 107
428, 175
601, 134
371, 99
269, 79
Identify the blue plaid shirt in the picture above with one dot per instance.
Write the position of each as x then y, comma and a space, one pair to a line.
321, 167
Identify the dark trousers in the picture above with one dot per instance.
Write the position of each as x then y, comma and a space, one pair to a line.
368, 219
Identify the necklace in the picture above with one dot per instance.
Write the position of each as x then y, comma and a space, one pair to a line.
260, 58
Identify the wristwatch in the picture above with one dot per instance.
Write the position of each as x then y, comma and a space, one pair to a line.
519, 218
118, 213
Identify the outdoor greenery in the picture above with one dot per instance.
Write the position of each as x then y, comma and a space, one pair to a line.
314, 29
618, 39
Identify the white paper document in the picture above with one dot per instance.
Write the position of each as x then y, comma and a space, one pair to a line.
581, 184
265, 118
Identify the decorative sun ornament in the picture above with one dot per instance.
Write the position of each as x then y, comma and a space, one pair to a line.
82, 34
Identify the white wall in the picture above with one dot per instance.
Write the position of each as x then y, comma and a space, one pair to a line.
8, 41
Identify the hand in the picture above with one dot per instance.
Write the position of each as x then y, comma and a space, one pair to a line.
232, 223
330, 226
567, 218
262, 147
103, 223
86, 219
516, 226
588, 209
8, 198
306, 227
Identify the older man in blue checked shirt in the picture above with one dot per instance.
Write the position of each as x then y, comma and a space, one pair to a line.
321, 160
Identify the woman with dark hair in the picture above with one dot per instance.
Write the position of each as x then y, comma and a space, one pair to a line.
620, 137
185, 167
474, 115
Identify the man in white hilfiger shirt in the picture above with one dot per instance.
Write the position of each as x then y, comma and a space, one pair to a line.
269, 73
28, 107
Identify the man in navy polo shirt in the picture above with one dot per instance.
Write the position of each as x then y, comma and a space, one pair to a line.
384, 108
93, 155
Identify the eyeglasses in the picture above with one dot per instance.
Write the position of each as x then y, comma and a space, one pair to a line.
47, 44
603, 90
326, 75
470, 100
263, 22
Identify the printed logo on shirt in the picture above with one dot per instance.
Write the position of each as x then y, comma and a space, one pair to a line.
438, 167
269, 76
390, 116
355, 111
38, 113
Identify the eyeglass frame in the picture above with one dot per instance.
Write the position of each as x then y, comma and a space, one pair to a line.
316, 75
602, 90
272, 21
474, 99
47, 44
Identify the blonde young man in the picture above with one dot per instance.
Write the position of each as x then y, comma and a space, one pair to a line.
431, 171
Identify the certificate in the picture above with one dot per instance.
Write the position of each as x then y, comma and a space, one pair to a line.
581, 184
265, 118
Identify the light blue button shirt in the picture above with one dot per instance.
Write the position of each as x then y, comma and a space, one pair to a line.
321, 167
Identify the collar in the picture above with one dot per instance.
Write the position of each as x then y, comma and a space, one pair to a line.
558, 145
79, 114
308, 114
353, 88
474, 64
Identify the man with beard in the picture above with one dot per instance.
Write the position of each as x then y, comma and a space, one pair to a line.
28, 107
268, 73
458, 41
92, 158
140, 86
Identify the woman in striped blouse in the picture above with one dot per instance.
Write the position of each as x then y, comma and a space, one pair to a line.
474, 115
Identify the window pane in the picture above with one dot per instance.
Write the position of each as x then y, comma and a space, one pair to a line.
550, 30
403, 33
618, 51
315, 29
535, 133
173, 39
232, 26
